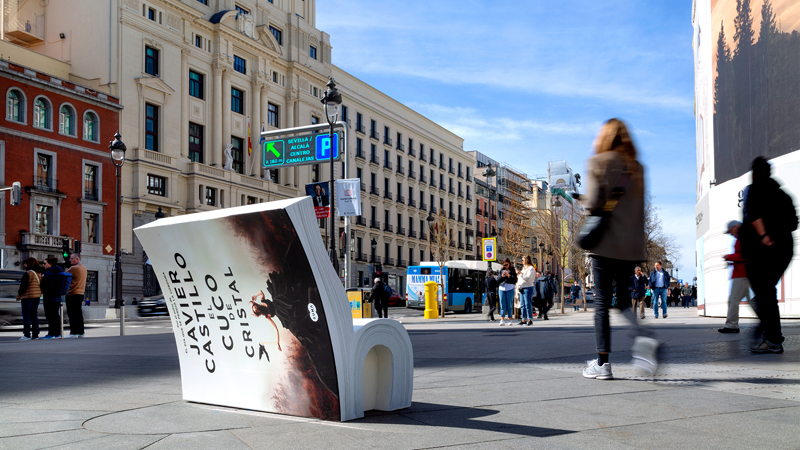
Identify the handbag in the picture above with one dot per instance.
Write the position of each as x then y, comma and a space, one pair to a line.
594, 227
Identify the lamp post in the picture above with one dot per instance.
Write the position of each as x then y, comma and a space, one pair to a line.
331, 101
488, 174
118, 148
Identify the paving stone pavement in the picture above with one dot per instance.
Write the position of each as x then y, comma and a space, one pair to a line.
476, 385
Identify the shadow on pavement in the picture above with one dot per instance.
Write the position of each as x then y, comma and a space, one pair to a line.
468, 418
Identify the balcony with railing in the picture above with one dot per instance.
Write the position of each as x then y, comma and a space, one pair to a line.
401, 231
387, 165
461, 245
360, 154
361, 221
460, 174
442, 187
375, 224
387, 140
461, 218
388, 227
469, 247
412, 203
374, 135
401, 170
479, 234
360, 128
401, 199
388, 261
400, 147
441, 166
461, 193
478, 212
469, 220
494, 216
373, 159
450, 190
423, 236
433, 210
423, 206
374, 190
411, 174
412, 234
363, 187
451, 171
387, 195
45, 184
411, 151
469, 197
422, 157
452, 215
401, 263
422, 178
485, 213
361, 257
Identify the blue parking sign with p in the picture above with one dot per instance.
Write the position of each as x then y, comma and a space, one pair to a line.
323, 146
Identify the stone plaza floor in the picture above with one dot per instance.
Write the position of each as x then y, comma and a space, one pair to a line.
476, 385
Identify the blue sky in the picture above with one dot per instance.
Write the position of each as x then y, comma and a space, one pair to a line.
532, 81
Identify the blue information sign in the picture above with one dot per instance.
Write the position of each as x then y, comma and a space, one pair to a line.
300, 150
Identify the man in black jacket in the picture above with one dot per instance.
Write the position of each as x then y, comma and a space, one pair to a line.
380, 299
491, 293
545, 287
637, 285
768, 247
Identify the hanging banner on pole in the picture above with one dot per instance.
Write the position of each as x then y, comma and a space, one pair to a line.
320, 195
348, 197
489, 249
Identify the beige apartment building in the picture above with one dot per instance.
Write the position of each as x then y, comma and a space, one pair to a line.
196, 76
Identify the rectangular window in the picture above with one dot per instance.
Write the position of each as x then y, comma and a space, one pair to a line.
314, 173
211, 196
359, 122
151, 14
151, 61
195, 142
196, 82
251, 200
237, 100
237, 152
90, 221
274, 77
312, 52
198, 41
44, 216
277, 33
275, 176
44, 181
156, 185
273, 115
241, 10
239, 64
151, 127
205, 2
90, 182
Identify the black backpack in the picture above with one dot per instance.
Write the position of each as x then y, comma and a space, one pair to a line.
787, 214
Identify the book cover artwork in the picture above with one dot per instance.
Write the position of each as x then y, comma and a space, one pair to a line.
247, 315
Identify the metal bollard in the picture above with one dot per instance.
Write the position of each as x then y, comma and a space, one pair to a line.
431, 300
61, 317
122, 318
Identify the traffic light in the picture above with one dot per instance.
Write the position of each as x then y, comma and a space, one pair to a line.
16, 193
65, 248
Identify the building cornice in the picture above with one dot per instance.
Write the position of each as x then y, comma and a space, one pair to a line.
55, 142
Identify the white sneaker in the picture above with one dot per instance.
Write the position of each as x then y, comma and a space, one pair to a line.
502, 322
593, 370
24, 338
645, 354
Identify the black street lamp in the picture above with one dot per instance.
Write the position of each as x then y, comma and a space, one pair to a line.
488, 174
331, 101
118, 149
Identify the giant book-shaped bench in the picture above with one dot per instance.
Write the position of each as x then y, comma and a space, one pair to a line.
261, 319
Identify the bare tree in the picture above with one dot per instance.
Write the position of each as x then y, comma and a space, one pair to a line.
441, 231
659, 245
558, 227
515, 231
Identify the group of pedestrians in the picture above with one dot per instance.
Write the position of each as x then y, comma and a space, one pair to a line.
536, 291
45, 284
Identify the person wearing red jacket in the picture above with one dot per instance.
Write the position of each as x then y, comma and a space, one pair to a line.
740, 286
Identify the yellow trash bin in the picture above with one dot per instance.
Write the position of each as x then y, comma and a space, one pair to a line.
431, 300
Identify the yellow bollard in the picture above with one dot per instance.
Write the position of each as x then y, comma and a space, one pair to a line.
431, 300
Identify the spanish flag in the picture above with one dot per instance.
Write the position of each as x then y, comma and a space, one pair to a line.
249, 140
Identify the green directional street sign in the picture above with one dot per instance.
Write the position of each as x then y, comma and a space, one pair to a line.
300, 150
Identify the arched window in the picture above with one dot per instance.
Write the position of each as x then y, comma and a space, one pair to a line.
41, 113
15, 106
90, 126
66, 120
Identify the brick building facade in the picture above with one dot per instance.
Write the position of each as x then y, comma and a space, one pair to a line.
53, 140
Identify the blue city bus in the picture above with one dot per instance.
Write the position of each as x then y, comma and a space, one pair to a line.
464, 284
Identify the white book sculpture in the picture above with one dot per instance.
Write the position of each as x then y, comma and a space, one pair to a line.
262, 322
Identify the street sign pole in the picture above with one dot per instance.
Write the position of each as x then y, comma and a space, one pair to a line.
344, 152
